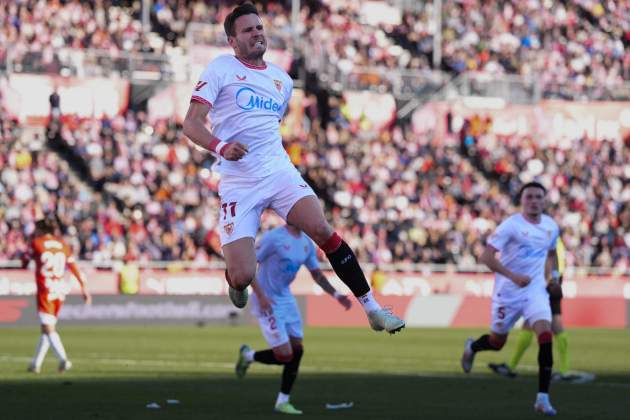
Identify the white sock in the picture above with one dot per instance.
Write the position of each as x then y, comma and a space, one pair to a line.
41, 350
369, 303
57, 345
542, 396
249, 355
282, 398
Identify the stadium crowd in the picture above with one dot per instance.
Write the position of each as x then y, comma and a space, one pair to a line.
571, 46
397, 196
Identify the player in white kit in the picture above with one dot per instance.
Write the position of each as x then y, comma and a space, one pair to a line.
280, 254
246, 98
526, 242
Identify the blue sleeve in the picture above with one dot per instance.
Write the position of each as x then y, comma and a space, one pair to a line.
265, 247
311, 261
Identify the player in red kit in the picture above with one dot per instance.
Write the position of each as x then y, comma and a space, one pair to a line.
51, 256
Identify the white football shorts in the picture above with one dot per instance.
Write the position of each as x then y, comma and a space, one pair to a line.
534, 307
243, 201
285, 321
47, 319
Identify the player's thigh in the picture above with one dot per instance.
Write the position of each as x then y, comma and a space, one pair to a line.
296, 202
556, 323
273, 330
537, 311
47, 319
48, 312
296, 342
293, 320
308, 216
503, 316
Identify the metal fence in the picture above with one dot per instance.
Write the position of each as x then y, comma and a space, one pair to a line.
91, 63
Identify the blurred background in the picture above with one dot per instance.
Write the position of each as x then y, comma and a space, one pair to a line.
415, 122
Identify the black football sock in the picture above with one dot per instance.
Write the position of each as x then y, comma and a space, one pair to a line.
345, 264
267, 357
290, 372
485, 343
545, 361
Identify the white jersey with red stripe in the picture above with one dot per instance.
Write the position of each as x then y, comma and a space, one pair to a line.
247, 104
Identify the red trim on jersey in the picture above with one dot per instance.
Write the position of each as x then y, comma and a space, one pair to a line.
201, 100
251, 66
545, 337
332, 244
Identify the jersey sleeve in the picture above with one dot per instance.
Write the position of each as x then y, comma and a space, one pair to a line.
501, 236
287, 94
554, 237
311, 261
207, 88
265, 247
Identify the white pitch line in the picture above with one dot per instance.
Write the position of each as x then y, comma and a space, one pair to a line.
311, 369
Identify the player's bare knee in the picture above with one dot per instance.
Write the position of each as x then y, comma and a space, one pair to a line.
283, 357
497, 342
321, 232
545, 337
241, 277
298, 350
47, 329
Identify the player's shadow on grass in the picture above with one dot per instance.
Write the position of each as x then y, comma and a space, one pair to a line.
374, 397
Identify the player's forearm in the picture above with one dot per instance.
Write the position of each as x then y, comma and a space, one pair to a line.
74, 269
197, 132
257, 289
323, 282
551, 267
495, 265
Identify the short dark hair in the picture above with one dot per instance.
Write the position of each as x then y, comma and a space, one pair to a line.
45, 225
243, 9
532, 184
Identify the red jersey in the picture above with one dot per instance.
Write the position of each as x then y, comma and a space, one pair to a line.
51, 256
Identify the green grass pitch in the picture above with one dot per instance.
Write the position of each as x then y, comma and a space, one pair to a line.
412, 375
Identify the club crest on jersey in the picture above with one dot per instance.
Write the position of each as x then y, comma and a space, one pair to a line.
278, 84
241, 78
200, 85
229, 228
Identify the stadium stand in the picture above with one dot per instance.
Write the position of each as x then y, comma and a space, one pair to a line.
401, 197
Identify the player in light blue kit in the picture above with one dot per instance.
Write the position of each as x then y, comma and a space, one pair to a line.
280, 254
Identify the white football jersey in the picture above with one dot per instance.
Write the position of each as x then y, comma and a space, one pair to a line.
247, 104
524, 247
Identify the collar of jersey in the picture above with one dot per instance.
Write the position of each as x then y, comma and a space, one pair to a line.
251, 66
